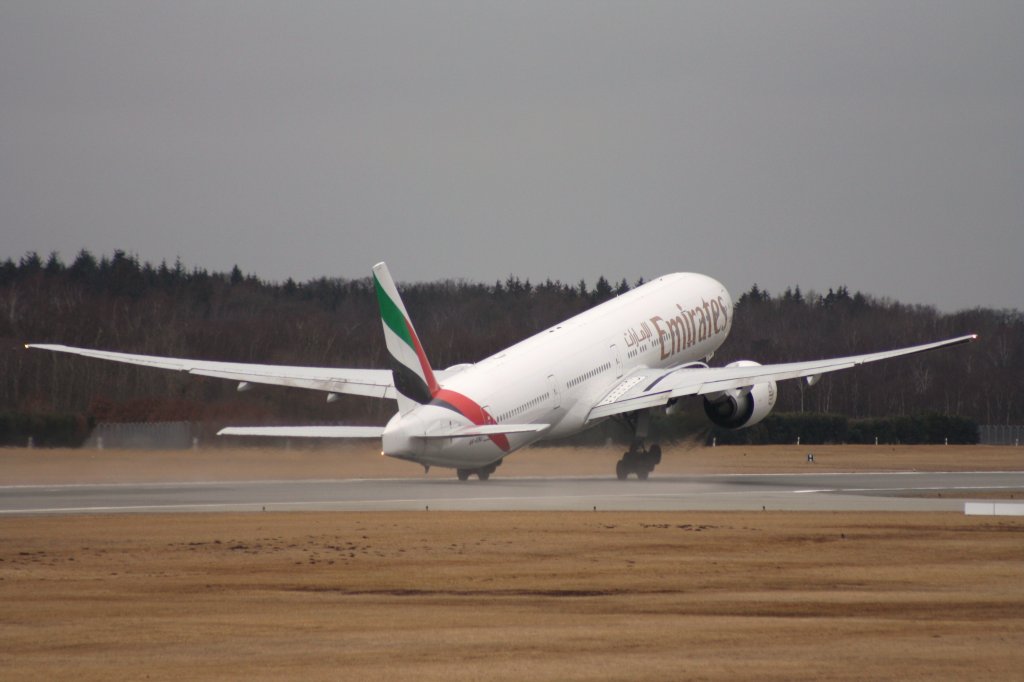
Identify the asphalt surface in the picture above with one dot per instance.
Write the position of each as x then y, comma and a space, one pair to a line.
911, 491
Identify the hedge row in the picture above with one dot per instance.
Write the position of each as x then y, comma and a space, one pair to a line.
783, 428
829, 428
71, 430
45, 430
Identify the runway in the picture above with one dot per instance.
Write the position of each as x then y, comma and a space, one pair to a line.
910, 491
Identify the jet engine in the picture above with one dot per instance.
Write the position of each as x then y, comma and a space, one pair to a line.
739, 408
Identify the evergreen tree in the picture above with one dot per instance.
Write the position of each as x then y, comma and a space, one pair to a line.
602, 290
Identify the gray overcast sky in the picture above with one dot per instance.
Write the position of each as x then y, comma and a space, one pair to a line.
874, 144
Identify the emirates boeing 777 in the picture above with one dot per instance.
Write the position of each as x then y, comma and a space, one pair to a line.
641, 351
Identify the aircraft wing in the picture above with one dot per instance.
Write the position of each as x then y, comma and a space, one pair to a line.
377, 383
645, 388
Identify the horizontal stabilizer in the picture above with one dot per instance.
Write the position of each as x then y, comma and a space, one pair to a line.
487, 430
304, 431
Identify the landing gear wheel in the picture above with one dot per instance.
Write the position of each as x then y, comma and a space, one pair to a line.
463, 474
483, 474
638, 461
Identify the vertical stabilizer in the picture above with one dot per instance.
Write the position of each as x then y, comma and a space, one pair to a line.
414, 380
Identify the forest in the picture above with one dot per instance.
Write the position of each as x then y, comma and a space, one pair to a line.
116, 302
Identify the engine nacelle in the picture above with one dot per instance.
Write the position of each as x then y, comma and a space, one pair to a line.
739, 408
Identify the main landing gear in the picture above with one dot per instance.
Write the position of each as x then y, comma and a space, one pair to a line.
638, 459
483, 473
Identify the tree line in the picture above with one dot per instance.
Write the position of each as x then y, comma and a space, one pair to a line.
117, 302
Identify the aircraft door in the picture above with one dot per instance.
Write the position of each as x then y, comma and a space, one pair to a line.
556, 397
618, 361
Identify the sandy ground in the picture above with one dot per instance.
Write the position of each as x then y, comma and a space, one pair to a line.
507, 595
43, 466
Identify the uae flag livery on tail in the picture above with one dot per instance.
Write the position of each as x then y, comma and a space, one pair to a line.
414, 380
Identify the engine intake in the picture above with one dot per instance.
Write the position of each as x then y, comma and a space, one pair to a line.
739, 408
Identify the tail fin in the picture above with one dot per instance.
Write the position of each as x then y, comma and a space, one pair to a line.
414, 380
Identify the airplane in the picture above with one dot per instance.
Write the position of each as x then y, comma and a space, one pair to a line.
641, 351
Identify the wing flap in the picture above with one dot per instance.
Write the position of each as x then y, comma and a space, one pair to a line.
640, 402
354, 382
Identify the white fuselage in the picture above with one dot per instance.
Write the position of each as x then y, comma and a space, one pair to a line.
557, 376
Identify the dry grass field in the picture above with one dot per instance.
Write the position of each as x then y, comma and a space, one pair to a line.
506, 595
556, 596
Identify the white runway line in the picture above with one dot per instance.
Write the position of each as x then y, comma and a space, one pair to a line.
993, 509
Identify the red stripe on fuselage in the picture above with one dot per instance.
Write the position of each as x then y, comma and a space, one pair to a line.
473, 412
